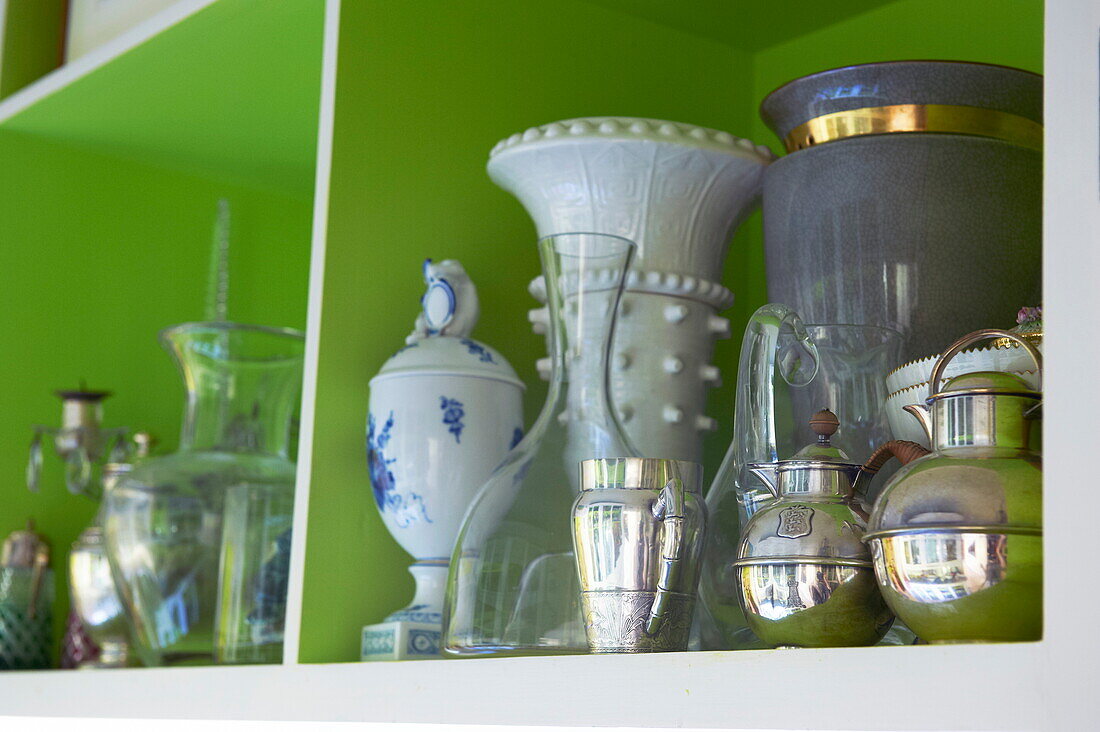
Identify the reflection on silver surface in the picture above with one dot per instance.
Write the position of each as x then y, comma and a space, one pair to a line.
971, 585
934, 568
805, 604
775, 591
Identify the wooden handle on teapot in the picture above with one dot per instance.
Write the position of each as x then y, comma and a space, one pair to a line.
904, 450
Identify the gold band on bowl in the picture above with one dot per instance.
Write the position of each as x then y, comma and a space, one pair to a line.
944, 118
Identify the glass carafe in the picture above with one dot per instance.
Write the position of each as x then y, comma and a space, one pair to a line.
513, 588
164, 521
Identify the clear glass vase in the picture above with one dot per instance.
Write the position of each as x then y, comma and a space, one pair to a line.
164, 521
513, 588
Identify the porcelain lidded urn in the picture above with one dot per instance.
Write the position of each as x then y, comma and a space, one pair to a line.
444, 411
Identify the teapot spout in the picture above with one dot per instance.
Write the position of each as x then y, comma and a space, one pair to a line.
766, 473
923, 415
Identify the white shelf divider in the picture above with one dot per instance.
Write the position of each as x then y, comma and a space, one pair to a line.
296, 580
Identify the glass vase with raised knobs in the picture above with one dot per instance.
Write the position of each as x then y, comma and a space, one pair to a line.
195, 539
513, 588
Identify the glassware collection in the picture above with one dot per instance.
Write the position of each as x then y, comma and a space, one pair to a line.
592, 530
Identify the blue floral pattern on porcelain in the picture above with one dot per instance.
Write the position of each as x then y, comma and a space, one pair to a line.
476, 349
516, 437
453, 413
381, 477
415, 614
406, 510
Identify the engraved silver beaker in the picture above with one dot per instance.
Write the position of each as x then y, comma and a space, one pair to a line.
638, 530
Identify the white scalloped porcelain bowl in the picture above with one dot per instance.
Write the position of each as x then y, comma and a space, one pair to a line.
1012, 359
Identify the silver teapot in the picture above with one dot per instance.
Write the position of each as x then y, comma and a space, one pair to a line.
804, 575
957, 536
638, 530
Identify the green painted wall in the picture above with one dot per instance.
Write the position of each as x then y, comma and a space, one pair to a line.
422, 96
230, 93
96, 256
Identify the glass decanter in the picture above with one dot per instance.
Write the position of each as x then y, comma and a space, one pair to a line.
513, 588
163, 522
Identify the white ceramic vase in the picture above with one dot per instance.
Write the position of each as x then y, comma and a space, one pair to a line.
444, 411
678, 191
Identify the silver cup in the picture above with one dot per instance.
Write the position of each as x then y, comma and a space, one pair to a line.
638, 530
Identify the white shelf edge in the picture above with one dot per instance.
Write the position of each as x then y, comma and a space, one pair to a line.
325, 126
980, 687
77, 69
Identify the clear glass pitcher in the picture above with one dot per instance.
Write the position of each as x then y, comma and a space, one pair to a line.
163, 522
775, 340
512, 587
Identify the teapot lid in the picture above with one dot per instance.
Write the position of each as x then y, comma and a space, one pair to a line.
440, 343
988, 382
820, 455
824, 424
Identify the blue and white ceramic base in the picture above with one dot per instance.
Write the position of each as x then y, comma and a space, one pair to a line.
399, 640
414, 632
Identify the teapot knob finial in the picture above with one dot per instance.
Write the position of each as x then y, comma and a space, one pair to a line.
824, 424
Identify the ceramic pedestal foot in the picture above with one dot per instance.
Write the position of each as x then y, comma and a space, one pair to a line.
414, 632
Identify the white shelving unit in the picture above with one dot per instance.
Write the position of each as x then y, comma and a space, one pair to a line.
1045, 685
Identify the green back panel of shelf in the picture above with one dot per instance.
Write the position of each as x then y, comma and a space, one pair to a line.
33, 36
96, 256
422, 95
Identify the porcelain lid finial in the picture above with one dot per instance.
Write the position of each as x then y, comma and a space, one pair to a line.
449, 306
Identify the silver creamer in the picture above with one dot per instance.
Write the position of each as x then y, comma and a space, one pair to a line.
638, 530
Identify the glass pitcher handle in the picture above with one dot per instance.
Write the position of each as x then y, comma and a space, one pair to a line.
669, 509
